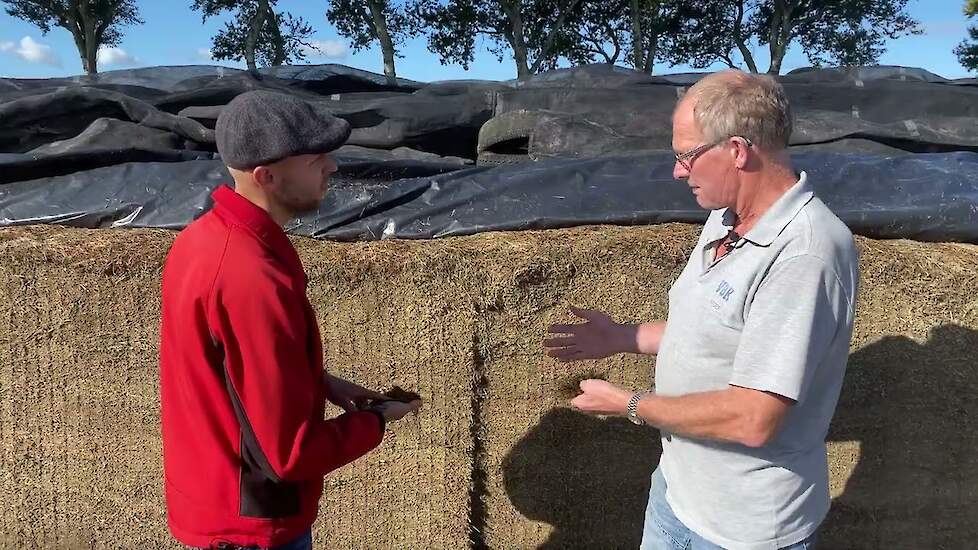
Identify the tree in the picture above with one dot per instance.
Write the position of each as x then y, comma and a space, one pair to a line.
654, 24
92, 23
593, 29
967, 51
257, 34
845, 32
642, 29
369, 21
710, 34
528, 30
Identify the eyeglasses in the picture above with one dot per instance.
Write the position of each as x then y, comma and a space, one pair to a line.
686, 159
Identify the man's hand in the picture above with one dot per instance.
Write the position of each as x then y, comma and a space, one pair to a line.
395, 410
598, 338
603, 398
347, 395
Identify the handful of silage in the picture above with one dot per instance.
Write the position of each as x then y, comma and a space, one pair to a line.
570, 387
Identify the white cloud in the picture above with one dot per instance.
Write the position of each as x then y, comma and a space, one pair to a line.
32, 51
115, 57
205, 54
332, 49
953, 27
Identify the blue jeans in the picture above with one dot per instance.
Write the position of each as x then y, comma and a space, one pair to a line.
304, 542
664, 531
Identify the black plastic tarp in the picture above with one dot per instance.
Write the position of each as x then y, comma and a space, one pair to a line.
590, 112
136, 148
930, 197
444, 118
161, 113
613, 76
36, 120
338, 79
556, 135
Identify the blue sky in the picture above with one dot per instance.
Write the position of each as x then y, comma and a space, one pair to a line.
174, 35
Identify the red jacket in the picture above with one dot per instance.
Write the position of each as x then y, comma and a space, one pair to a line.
245, 443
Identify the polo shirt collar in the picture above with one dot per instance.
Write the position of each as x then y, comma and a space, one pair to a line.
719, 231
260, 223
773, 222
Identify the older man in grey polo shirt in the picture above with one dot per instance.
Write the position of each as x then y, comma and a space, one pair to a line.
752, 355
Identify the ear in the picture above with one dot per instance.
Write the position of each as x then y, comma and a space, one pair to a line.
264, 176
740, 152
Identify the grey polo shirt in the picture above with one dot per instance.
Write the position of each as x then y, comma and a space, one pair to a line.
775, 314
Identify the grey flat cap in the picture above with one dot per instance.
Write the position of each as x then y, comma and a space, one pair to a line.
262, 127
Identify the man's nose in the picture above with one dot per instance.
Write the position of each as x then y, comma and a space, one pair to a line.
679, 171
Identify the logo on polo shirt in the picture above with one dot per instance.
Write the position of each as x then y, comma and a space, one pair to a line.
724, 291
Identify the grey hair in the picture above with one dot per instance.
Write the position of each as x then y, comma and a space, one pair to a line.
734, 103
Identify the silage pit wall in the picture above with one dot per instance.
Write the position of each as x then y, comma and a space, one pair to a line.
494, 460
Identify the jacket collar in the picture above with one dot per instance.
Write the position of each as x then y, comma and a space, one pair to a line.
232, 206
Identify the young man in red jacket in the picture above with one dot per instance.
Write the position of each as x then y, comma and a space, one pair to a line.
242, 385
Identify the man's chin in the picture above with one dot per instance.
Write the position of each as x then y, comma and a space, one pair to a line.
703, 203
307, 208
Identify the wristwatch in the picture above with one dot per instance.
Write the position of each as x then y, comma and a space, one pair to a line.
633, 408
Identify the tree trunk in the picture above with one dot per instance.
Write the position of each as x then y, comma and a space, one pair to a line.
775, 45
516, 39
653, 50
614, 58
384, 36
91, 52
548, 43
83, 30
780, 33
520, 56
777, 57
739, 40
638, 40
278, 43
80, 45
251, 41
